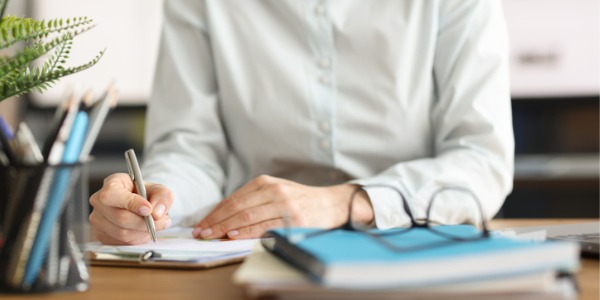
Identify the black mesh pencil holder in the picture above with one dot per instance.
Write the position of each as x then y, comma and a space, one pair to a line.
43, 228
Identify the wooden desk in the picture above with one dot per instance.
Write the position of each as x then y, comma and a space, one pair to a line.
145, 284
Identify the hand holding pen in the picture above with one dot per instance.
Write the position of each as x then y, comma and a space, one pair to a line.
136, 176
115, 218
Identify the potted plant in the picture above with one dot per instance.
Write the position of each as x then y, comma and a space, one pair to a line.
61, 186
48, 40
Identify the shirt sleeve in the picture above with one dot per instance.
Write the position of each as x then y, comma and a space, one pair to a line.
471, 120
185, 145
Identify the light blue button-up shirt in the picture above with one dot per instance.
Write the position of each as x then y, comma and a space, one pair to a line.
412, 94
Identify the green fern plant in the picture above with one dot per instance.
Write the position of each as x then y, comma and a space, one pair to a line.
50, 40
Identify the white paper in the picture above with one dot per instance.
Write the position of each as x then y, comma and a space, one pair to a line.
179, 244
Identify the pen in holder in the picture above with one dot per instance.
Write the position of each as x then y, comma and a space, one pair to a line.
43, 227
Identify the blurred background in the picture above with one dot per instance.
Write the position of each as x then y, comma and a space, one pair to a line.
555, 87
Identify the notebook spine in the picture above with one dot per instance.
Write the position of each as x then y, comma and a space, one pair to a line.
294, 255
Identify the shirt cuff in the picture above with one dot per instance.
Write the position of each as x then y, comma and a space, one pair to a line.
386, 201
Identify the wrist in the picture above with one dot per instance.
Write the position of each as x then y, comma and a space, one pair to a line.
362, 210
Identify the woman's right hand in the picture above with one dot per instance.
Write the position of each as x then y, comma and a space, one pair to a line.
118, 213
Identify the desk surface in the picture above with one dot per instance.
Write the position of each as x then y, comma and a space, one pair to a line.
138, 283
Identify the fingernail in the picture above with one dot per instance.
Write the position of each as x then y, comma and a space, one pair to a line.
168, 223
196, 231
159, 210
144, 211
206, 232
233, 233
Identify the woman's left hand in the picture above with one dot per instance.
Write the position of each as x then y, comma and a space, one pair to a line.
262, 203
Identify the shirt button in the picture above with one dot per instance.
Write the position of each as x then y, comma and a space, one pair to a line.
324, 126
324, 63
325, 144
324, 80
320, 10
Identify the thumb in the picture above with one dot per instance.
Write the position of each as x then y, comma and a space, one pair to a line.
117, 192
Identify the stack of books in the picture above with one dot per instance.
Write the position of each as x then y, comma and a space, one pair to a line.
414, 264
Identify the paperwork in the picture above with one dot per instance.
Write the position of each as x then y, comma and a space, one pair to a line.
174, 247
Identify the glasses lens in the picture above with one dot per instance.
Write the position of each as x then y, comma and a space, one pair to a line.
452, 206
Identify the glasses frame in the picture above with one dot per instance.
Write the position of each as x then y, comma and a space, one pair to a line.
427, 223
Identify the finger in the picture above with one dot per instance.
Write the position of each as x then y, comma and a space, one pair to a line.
264, 189
231, 206
161, 199
108, 233
122, 179
113, 194
238, 201
163, 223
127, 222
256, 230
252, 186
113, 186
247, 217
122, 218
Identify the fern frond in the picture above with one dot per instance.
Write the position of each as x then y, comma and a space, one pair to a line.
39, 37
29, 54
38, 79
14, 29
3, 4
59, 57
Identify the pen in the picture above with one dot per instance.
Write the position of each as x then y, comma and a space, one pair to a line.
98, 113
136, 177
62, 183
6, 136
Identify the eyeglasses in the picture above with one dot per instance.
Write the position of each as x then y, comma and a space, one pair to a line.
436, 204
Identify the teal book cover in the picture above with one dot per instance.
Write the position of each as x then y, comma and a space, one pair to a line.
415, 257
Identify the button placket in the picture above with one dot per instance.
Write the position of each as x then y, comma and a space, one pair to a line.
324, 80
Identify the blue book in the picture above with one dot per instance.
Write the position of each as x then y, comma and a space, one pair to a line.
354, 260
